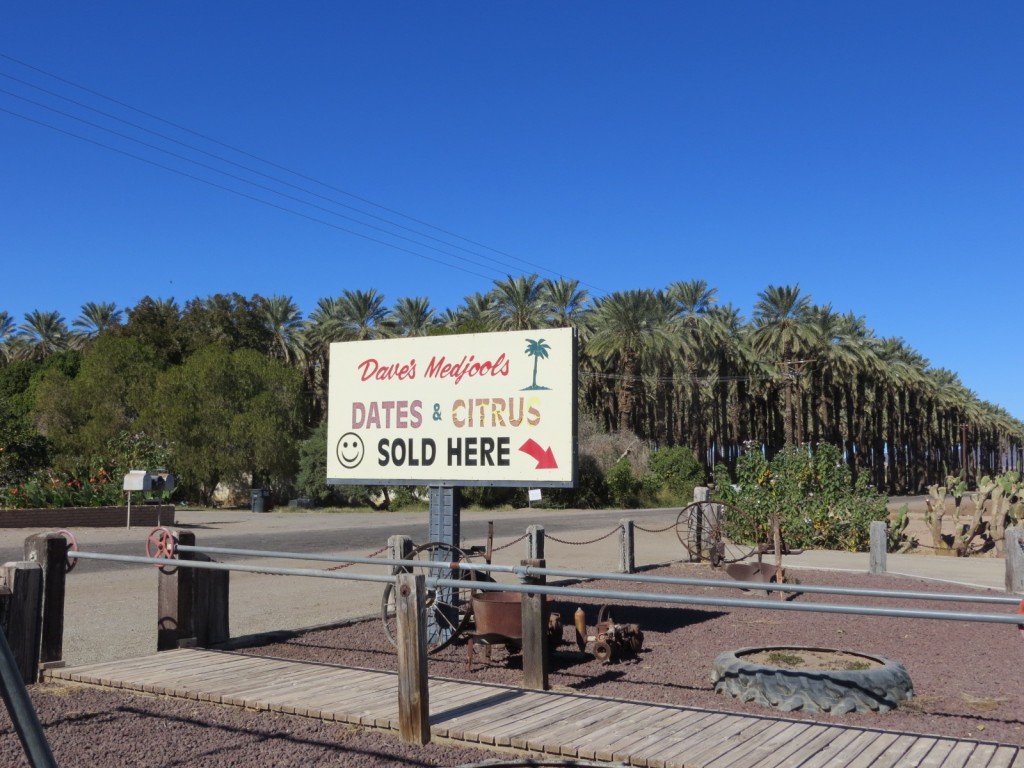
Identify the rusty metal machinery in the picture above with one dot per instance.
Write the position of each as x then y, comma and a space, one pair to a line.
612, 642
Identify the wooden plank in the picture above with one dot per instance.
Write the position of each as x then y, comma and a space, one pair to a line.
960, 755
815, 748
845, 748
649, 737
1004, 756
693, 738
783, 749
755, 751
892, 753
980, 756
937, 754
568, 725
624, 731
685, 721
510, 724
471, 715
741, 731
536, 726
917, 752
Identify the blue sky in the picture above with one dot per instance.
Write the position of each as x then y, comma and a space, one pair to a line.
870, 152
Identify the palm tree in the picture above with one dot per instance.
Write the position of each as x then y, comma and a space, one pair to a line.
537, 349
784, 335
283, 320
7, 331
631, 329
41, 334
412, 317
516, 304
95, 319
564, 302
700, 336
362, 315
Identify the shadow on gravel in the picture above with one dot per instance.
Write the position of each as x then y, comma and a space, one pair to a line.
650, 618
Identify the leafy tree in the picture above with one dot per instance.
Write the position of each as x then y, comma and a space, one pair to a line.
232, 321
157, 323
83, 414
229, 416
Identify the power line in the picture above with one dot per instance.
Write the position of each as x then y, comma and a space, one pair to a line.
269, 176
240, 193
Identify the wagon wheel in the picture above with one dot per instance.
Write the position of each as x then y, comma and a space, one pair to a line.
449, 609
716, 532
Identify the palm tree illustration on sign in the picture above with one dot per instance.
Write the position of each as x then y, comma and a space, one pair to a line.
537, 350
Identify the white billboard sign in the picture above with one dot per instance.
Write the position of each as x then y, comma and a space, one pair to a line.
471, 409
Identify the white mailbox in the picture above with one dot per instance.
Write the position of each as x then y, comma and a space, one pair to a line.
138, 480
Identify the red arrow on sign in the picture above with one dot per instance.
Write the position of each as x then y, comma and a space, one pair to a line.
545, 458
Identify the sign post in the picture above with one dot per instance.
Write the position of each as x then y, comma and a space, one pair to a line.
493, 409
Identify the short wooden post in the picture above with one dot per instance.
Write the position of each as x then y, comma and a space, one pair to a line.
50, 551
1014, 559
535, 634
535, 542
210, 604
627, 554
175, 601
413, 690
22, 621
879, 547
399, 548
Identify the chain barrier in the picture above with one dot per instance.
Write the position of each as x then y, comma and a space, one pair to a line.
346, 565
668, 527
612, 532
511, 543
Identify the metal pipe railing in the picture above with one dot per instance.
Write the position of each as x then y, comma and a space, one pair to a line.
602, 594
524, 571
212, 566
730, 602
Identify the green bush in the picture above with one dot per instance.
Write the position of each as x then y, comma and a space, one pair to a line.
673, 474
624, 488
818, 504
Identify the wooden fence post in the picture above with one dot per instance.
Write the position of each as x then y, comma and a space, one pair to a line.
879, 547
175, 599
210, 604
413, 690
535, 542
1014, 559
22, 622
399, 548
535, 633
50, 551
627, 552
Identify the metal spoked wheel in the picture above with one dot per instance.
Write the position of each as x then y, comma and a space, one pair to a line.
449, 609
717, 533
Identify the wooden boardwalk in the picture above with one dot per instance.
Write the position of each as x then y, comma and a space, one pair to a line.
567, 724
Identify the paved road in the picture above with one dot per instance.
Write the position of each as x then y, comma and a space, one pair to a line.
111, 607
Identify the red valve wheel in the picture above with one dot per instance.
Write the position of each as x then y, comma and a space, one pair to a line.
72, 547
161, 544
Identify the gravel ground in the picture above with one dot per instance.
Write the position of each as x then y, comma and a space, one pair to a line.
964, 682
965, 685
89, 726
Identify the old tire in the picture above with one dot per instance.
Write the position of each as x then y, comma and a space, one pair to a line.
878, 689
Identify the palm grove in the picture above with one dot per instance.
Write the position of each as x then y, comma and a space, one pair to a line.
232, 389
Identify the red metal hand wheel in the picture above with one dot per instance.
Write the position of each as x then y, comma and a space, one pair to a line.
161, 544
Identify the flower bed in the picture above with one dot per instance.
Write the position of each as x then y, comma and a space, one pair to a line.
87, 517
